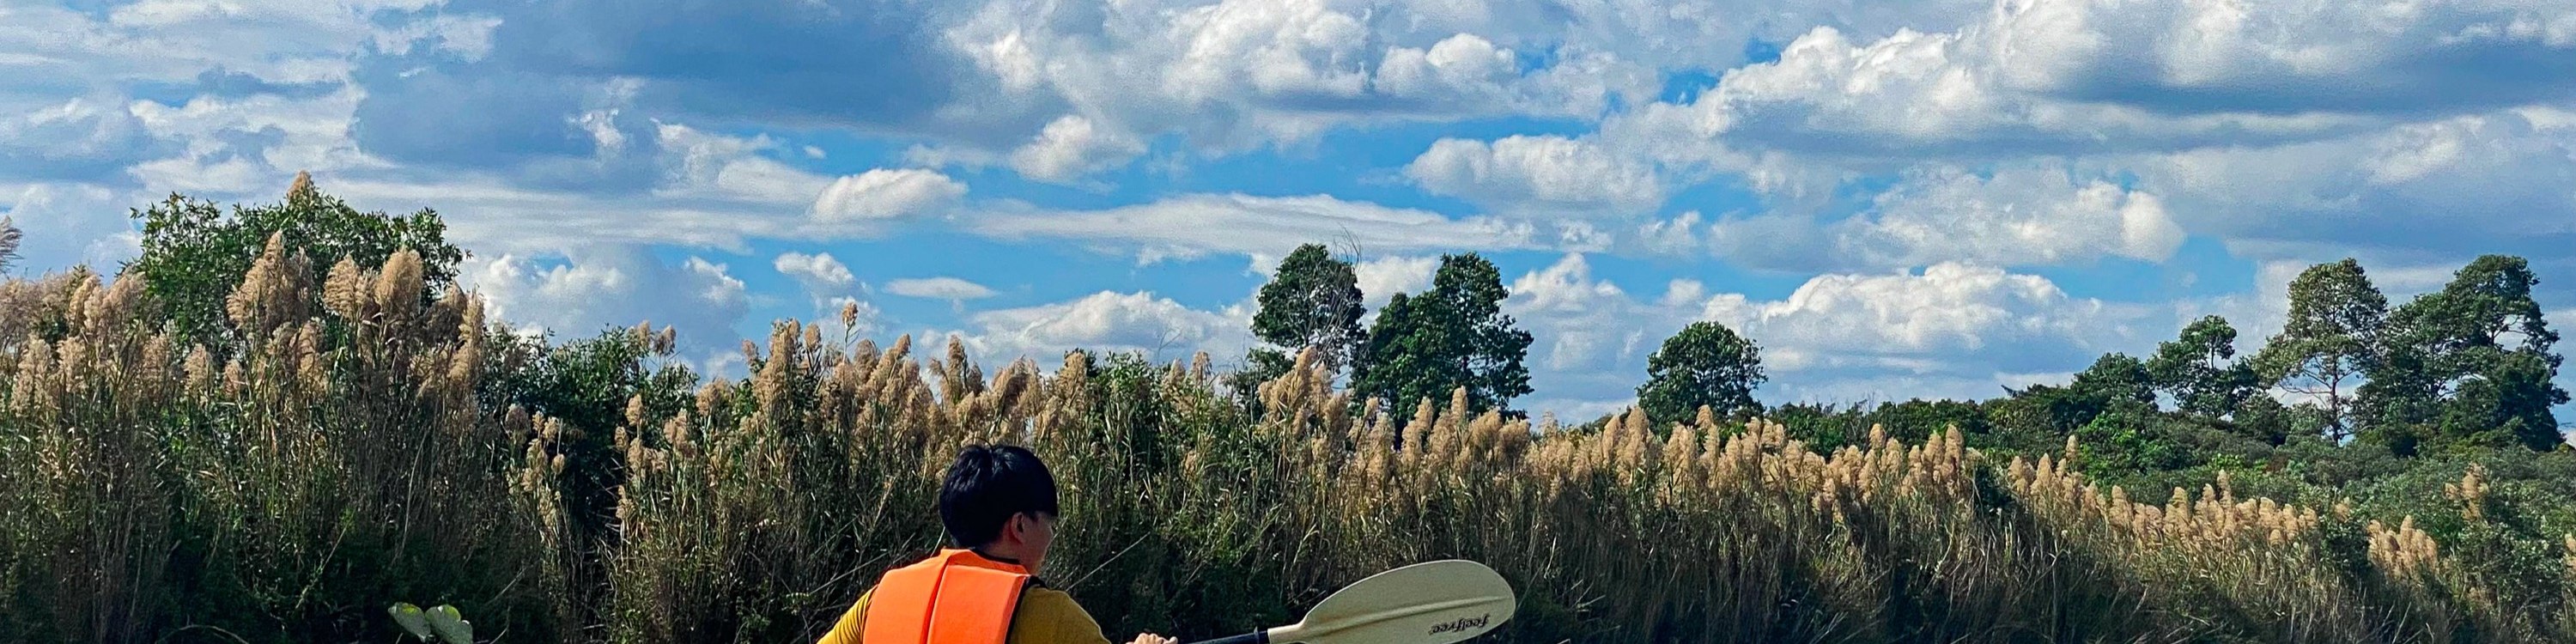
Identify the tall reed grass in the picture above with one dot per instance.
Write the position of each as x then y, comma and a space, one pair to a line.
344, 451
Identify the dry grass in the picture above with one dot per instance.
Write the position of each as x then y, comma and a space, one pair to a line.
336, 458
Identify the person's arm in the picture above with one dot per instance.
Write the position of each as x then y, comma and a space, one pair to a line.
852, 624
1048, 616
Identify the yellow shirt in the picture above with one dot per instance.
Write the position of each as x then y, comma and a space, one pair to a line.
1045, 616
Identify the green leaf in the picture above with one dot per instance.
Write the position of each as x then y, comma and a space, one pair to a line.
409, 618
450, 625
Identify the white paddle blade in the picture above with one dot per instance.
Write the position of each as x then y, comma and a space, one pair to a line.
1436, 602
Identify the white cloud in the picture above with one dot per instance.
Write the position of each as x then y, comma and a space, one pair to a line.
939, 288
1949, 330
1550, 174
715, 200
830, 285
1197, 224
1110, 321
84, 137
1923, 320
248, 147
886, 194
2457, 186
2021, 215
68, 224
287, 40
1679, 235
596, 288
1380, 279
1073, 146
819, 273
707, 165
1582, 325
1232, 75
1768, 239
868, 320
2070, 77
1462, 66
2018, 217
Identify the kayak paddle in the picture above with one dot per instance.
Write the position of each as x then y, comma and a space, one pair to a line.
1434, 602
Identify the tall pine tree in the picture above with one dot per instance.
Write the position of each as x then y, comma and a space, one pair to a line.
2471, 363
2331, 336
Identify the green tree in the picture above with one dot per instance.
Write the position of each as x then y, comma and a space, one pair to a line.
2200, 370
1705, 365
2472, 362
2116, 382
9, 238
2336, 318
587, 384
1454, 335
194, 254
1313, 300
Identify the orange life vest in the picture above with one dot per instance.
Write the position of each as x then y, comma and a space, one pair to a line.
955, 597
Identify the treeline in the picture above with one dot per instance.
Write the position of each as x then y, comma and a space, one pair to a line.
2467, 367
285, 417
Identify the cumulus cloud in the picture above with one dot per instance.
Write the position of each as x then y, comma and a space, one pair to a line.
1948, 330
939, 288
590, 289
1928, 320
1380, 279
2090, 75
1679, 235
1073, 146
886, 194
1584, 325
2458, 186
2013, 218
705, 165
82, 139
1551, 174
1236, 74
69, 224
246, 147
819, 273
832, 288
1110, 321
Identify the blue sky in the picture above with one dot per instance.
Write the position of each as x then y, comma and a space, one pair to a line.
1896, 199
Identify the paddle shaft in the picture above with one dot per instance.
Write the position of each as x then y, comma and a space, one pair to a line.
1255, 637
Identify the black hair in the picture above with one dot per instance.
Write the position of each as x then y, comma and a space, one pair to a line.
987, 486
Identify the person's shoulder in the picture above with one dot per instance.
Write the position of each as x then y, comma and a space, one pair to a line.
1050, 616
1038, 599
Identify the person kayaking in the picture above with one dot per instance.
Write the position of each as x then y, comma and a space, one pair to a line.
998, 506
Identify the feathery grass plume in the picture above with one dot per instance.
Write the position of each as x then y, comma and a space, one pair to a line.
10, 238
344, 290
399, 285
252, 465
755, 511
2470, 492
1417, 437
270, 294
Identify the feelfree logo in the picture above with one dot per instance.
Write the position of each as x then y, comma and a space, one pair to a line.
1462, 624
